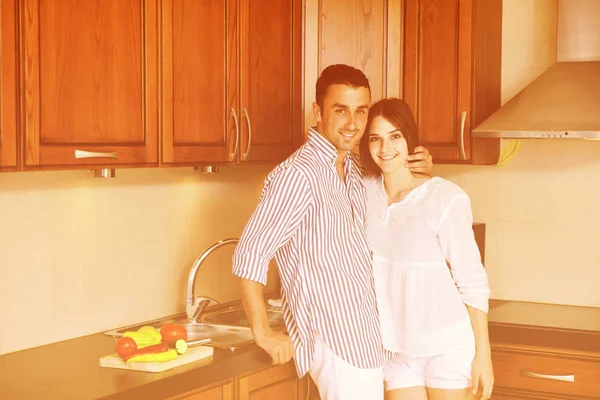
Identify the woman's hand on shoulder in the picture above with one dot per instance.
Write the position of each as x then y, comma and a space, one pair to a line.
420, 162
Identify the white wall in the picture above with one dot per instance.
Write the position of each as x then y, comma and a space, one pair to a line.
80, 255
542, 210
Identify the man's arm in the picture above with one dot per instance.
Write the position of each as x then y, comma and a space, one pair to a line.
421, 162
277, 345
285, 201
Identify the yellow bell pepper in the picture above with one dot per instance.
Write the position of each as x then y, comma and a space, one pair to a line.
168, 355
142, 339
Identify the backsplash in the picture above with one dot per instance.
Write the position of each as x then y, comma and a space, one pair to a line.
80, 255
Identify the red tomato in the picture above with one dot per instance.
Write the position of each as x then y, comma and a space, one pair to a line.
173, 332
126, 347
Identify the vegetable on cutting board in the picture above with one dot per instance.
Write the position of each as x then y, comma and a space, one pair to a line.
171, 333
151, 331
163, 356
127, 349
145, 336
181, 346
148, 344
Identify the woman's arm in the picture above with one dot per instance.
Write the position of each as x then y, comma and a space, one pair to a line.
481, 368
455, 231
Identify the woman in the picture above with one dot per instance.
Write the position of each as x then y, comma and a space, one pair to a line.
432, 289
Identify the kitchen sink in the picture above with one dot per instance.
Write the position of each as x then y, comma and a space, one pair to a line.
237, 317
221, 336
226, 325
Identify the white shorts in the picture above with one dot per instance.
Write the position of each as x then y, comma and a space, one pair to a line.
340, 380
450, 370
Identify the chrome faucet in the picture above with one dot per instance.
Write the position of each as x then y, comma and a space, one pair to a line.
196, 305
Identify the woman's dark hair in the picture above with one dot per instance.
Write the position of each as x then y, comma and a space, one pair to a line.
339, 74
397, 113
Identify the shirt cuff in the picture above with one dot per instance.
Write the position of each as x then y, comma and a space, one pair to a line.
250, 267
476, 300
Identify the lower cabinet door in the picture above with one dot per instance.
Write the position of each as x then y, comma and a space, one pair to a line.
548, 373
220, 392
277, 383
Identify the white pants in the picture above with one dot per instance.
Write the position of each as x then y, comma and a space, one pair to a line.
340, 380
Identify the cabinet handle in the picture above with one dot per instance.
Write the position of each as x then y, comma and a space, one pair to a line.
564, 378
94, 154
245, 156
463, 119
237, 135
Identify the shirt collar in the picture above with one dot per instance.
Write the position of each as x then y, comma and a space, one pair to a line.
322, 146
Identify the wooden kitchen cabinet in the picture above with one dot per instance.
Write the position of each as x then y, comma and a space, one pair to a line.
451, 77
544, 363
365, 34
275, 383
8, 85
270, 79
220, 391
90, 81
200, 81
236, 94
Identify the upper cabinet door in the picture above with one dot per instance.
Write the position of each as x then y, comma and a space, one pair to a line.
271, 79
200, 116
452, 52
91, 82
8, 86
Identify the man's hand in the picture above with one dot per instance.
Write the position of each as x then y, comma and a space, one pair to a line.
482, 375
420, 162
277, 345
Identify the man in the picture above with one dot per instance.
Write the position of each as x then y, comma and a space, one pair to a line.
311, 219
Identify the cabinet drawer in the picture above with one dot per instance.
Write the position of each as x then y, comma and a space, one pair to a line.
546, 372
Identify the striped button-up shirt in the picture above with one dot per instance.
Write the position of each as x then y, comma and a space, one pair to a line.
312, 222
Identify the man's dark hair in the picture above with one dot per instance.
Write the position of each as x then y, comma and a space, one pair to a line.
339, 74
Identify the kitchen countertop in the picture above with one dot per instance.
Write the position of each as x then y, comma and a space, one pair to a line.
572, 329
70, 369
547, 315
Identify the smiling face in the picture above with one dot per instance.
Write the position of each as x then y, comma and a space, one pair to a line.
387, 145
343, 116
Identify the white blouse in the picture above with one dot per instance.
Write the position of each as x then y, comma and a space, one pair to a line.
426, 265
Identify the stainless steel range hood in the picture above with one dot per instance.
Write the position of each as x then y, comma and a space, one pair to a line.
563, 102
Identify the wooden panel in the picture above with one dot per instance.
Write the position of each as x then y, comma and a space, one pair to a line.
278, 391
352, 32
500, 394
393, 52
220, 392
452, 64
271, 79
510, 366
365, 42
486, 77
432, 68
198, 124
91, 81
311, 59
8, 86
279, 382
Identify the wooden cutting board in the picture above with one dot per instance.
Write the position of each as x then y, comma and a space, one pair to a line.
193, 354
